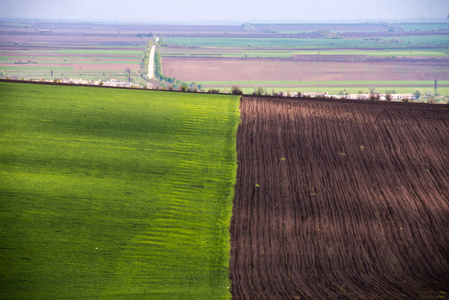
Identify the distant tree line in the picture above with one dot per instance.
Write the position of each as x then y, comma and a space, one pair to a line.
142, 35
146, 59
157, 64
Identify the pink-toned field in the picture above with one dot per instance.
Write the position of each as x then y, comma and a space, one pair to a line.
36, 56
217, 69
61, 40
51, 55
79, 67
105, 67
80, 58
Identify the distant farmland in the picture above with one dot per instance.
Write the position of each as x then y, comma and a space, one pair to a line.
87, 57
352, 55
215, 69
110, 193
73, 60
341, 200
257, 53
281, 74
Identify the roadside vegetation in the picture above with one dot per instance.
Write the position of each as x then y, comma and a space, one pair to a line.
145, 59
170, 83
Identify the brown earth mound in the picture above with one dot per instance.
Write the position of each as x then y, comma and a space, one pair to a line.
341, 200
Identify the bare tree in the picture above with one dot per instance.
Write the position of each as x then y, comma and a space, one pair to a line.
128, 72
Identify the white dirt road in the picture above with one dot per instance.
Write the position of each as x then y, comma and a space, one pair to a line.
151, 60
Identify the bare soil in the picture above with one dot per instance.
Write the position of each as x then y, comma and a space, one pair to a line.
81, 67
229, 69
341, 200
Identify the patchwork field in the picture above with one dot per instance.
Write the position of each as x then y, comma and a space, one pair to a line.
341, 200
76, 57
243, 53
128, 194
115, 194
352, 55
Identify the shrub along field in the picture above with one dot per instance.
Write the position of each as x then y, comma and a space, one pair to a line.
332, 87
115, 193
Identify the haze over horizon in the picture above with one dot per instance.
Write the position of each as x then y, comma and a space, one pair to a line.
232, 10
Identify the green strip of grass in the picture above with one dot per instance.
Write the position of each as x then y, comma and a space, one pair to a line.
342, 83
115, 194
286, 43
424, 26
407, 52
444, 91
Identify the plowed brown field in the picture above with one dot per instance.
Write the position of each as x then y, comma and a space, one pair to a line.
339, 200
232, 69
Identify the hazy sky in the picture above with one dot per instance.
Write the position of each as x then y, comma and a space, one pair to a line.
150, 11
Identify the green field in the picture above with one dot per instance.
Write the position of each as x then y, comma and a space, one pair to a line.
115, 194
298, 43
424, 26
435, 52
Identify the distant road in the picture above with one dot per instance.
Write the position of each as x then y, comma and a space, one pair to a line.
151, 60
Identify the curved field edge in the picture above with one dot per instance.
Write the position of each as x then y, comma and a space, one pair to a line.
115, 193
341, 200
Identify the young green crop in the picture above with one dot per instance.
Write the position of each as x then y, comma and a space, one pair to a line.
279, 53
115, 194
437, 41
